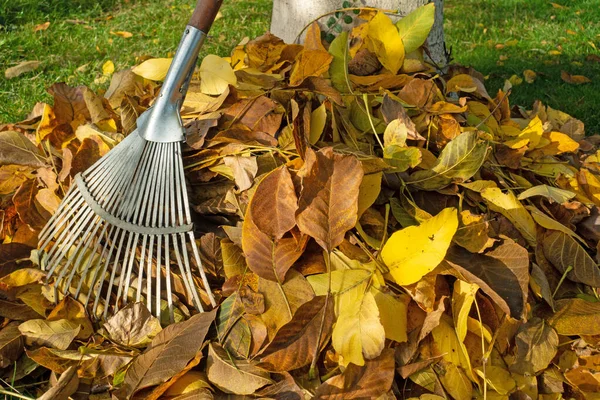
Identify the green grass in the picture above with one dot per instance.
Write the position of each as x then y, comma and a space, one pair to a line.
75, 52
474, 27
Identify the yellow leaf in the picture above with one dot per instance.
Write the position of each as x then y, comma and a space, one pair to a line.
369, 190
509, 206
317, 123
564, 142
123, 34
154, 69
456, 383
531, 135
498, 378
462, 300
216, 75
358, 332
108, 68
385, 42
414, 251
530, 76
414, 27
21, 277
310, 63
554, 53
393, 315
448, 345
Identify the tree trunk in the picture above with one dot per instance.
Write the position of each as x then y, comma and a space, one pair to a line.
291, 16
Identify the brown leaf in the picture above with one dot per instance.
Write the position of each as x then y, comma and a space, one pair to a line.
295, 343
69, 103
372, 380
563, 252
574, 79
503, 274
328, 203
234, 376
576, 317
167, 355
274, 204
11, 344
244, 170
16, 149
14, 256
270, 259
264, 51
21, 68
65, 387
132, 326
87, 154
310, 63
123, 83
537, 344
72, 310
420, 93
24, 201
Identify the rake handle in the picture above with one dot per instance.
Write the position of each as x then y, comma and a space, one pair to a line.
205, 14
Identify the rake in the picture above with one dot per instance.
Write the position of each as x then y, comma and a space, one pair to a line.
126, 219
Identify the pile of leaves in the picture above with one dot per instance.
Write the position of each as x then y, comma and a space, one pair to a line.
372, 226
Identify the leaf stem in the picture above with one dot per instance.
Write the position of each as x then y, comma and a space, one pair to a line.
367, 108
17, 395
562, 279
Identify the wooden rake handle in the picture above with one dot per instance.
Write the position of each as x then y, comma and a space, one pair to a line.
205, 13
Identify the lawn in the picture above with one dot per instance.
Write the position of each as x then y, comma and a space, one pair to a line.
500, 38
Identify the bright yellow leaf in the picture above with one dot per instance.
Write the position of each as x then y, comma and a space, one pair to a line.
358, 333
216, 75
385, 42
154, 69
531, 135
393, 315
414, 251
108, 68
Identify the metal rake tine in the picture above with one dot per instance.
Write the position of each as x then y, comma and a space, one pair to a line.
56, 214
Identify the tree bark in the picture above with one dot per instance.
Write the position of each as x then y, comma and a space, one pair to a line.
291, 16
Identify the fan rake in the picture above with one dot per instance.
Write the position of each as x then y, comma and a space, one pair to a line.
125, 222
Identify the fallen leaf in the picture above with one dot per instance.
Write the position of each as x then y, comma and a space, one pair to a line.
537, 344
123, 34
132, 326
108, 68
168, 354
41, 27
372, 380
21, 68
234, 376
58, 334
414, 251
574, 79
321, 215
295, 343
154, 69
576, 317
415, 26
16, 149
216, 75
385, 41
67, 385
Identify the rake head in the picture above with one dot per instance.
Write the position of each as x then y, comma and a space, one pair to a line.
123, 225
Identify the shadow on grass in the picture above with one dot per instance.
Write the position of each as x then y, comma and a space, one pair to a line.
17, 12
